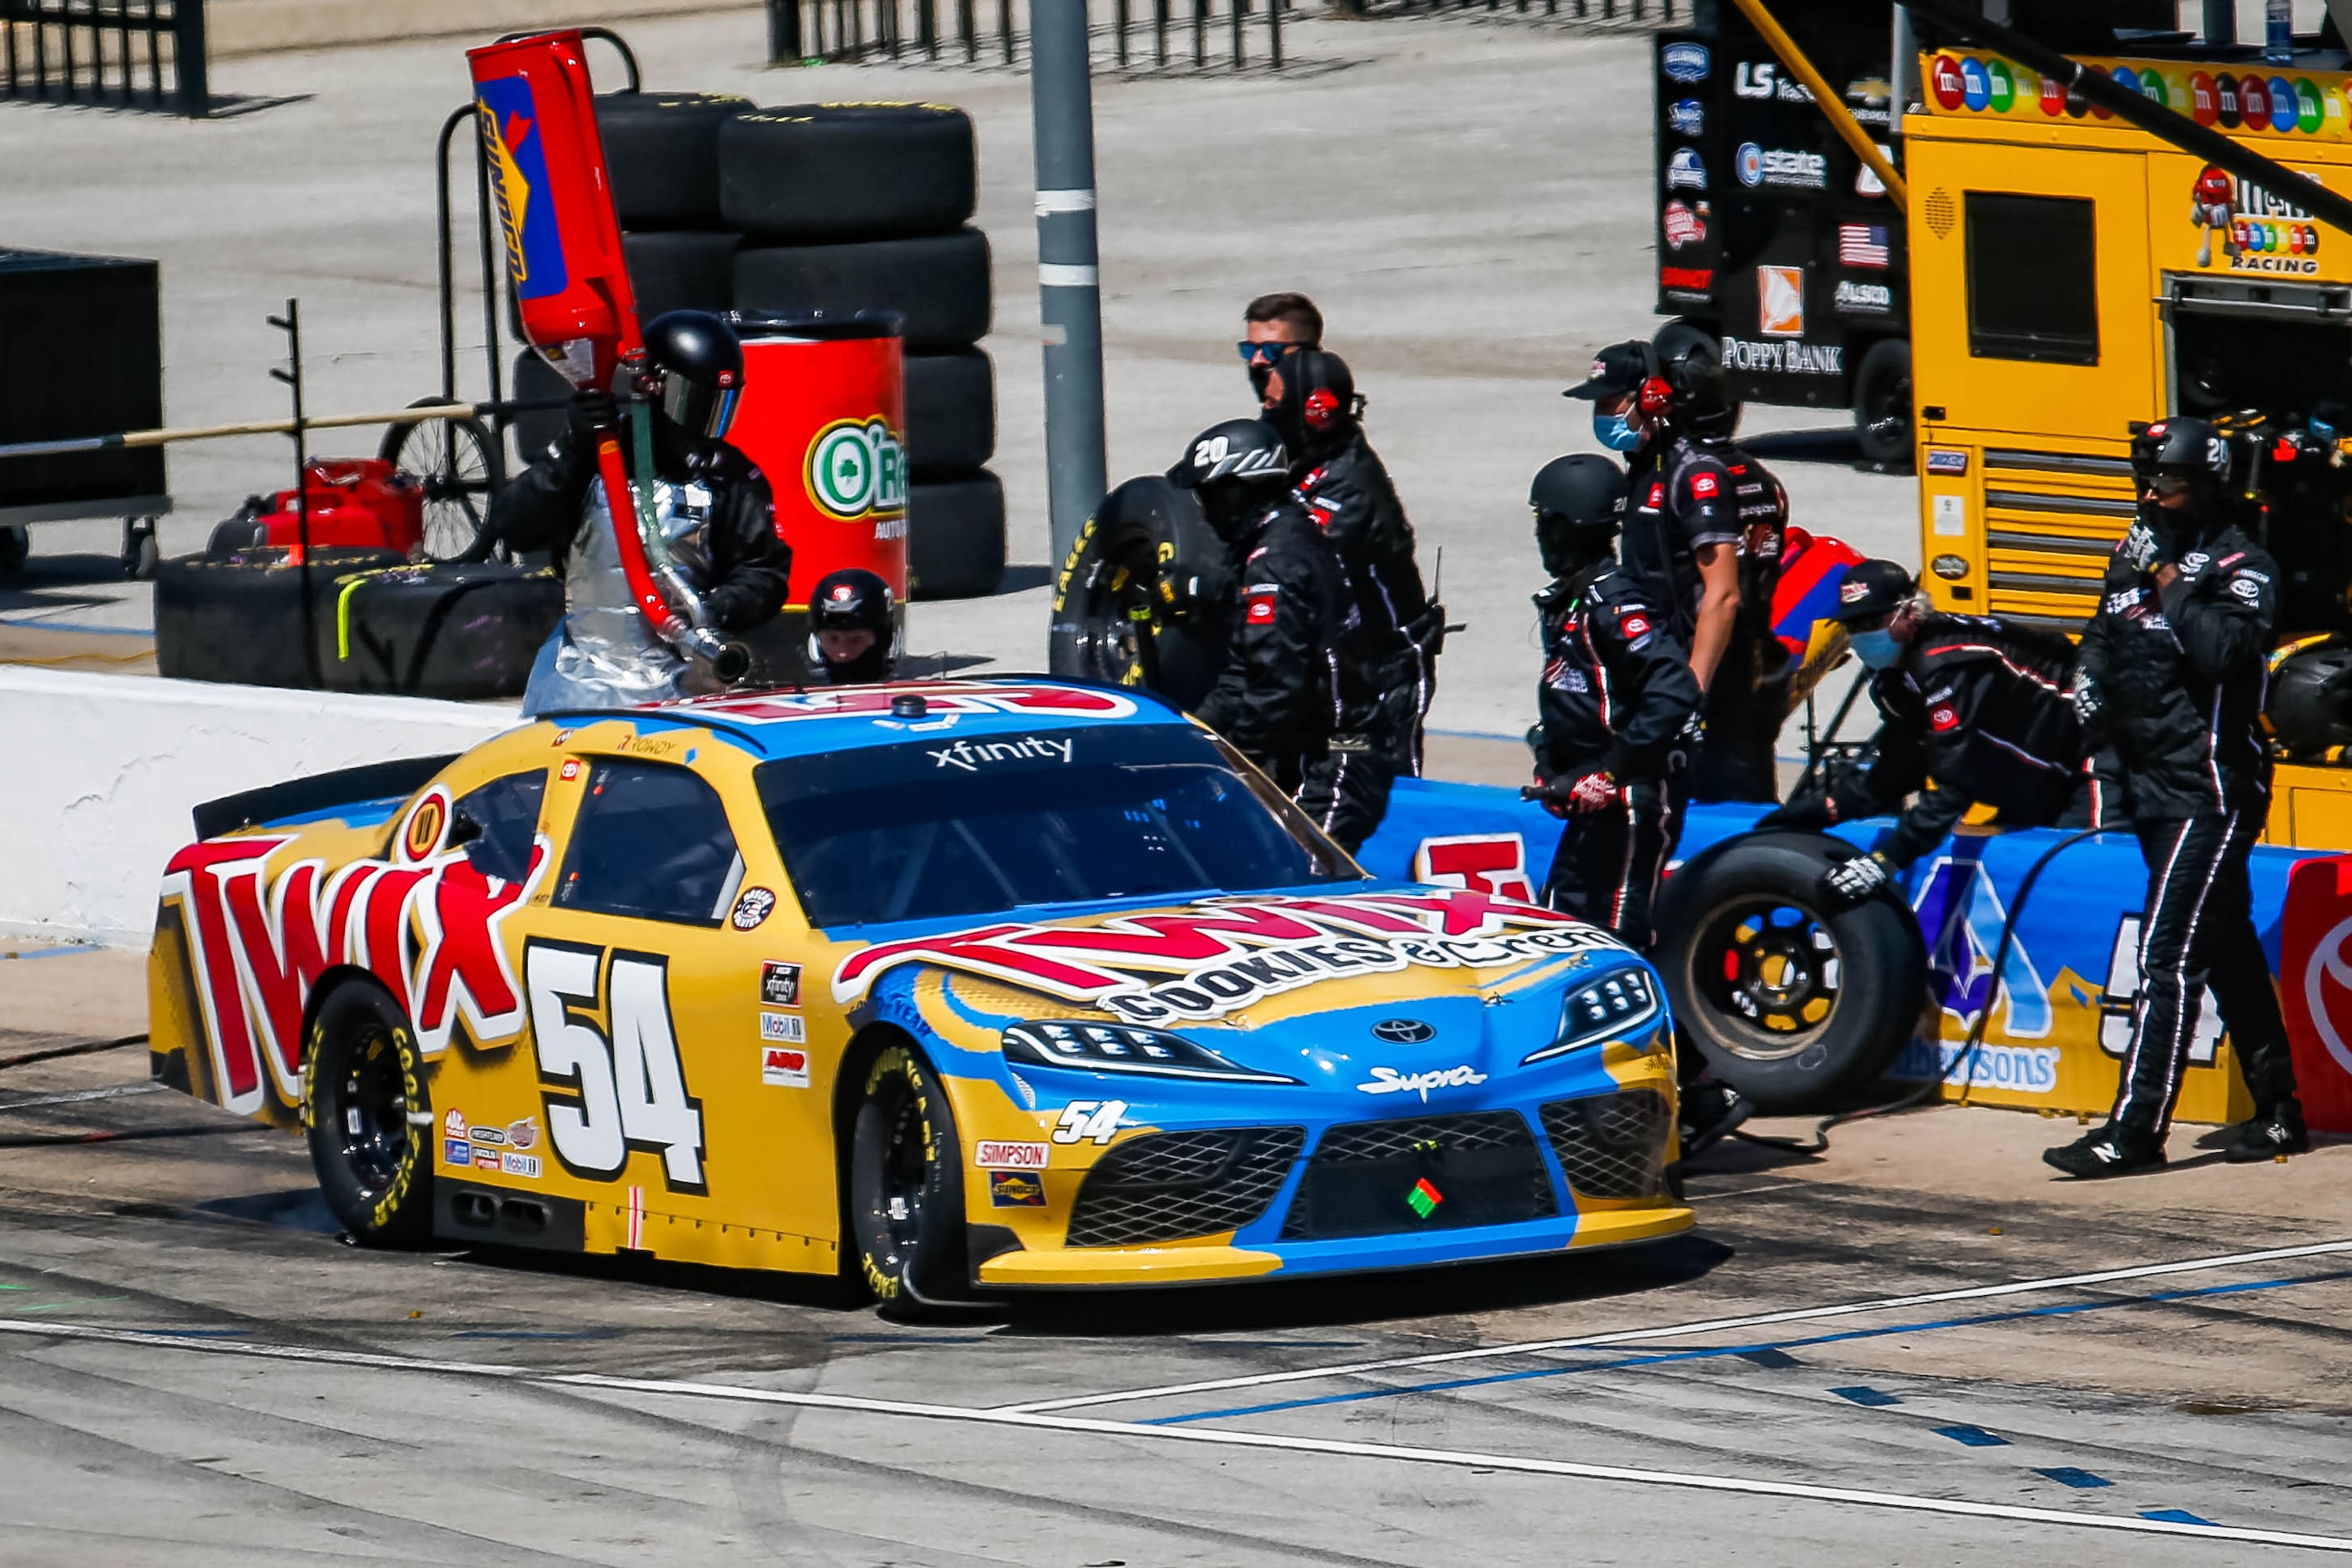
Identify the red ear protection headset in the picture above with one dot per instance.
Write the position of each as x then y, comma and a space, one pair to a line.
1654, 395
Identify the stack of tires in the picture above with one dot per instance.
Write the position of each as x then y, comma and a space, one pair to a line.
830, 209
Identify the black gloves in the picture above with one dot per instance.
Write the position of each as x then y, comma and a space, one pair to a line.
592, 409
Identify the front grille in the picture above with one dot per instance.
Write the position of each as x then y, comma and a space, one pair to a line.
1165, 1186
1482, 1168
1611, 1146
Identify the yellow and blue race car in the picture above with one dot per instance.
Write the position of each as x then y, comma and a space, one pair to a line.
954, 987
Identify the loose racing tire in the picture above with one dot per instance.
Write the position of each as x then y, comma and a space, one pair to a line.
951, 413
681, 271
239, 617
955, 538
939, 283
905, 1185
367, 1116
1142, 600
662, 150
1882, 401
16, 544
535, 429
815, 173
1792, 1004
463, 633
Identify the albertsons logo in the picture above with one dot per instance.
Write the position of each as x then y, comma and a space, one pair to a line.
857, 468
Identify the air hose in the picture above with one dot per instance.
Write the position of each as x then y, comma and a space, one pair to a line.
1966, 1061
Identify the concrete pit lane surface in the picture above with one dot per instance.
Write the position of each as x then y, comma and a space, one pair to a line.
1915, 1349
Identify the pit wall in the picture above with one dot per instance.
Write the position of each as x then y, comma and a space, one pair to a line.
102, 772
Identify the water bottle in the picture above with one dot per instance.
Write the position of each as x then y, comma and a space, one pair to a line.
2278, 46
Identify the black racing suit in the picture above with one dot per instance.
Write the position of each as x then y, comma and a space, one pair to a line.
2174, 678
1350, 494
541, 508
1617, 696
1976, 711
1688, 494
1293, 697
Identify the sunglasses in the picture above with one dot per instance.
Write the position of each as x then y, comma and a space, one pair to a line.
2166, 486
1264, 354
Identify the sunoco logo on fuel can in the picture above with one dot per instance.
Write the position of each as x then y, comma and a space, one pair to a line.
857, 468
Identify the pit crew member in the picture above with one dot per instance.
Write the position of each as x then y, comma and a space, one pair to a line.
2171, 675
850, 631
1293, 696
712, 506
1311, 401
1972, 709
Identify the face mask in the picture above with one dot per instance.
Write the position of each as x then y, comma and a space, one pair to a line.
1616, 432
1877, 649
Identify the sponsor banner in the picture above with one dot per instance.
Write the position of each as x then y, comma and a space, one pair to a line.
1783, 358
2258, 102
1854, 299
1780, 168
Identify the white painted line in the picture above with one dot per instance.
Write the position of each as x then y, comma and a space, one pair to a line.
1063, 275
117, 1092
1075, 200
1678, 1330
1456, 1457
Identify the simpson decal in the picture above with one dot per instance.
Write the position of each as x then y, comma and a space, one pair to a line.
1221, 955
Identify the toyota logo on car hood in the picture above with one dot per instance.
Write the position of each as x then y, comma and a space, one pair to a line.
1403, 1031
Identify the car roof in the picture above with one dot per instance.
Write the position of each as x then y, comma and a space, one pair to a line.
816, 720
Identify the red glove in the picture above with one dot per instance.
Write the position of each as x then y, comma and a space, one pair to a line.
1594, 792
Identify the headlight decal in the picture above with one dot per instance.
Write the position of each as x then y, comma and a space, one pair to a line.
1613, 1008
1080, 1045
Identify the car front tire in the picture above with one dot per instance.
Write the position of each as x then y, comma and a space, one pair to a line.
906, 1185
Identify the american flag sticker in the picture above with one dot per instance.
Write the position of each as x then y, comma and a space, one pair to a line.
1862, 244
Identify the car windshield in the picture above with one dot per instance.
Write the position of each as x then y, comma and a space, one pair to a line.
967, 825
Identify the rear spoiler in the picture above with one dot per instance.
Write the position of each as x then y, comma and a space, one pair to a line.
300, 797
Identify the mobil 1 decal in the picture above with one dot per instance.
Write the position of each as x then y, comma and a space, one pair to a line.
1218, 955
618, 1087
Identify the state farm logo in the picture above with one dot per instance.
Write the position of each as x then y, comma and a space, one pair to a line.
2327, 984
1777, 166
857, 468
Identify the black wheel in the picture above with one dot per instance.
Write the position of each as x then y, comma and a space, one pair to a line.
464, 633
1142, 599
906, 1185
1881, 403
239, 617
458, 463
950, 414
939, 282
662, 150
847, 171
16, 544
1790, 1003
680, 271
955, 538
368, 1118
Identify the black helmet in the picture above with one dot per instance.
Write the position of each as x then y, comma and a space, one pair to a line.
2310, 705
1579, 504
1691, 361
851, 600
2186, 447
1319, 406
1238, 468
694, 363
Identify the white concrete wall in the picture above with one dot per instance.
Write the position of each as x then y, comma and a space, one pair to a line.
101, 771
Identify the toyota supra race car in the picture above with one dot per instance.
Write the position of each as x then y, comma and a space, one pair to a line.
956, 987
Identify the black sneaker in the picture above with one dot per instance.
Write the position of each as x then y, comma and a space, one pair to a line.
2279, 1131
2112, 1151
1710, 1110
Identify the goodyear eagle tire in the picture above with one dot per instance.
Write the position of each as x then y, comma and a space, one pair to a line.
939, 283
1143, 598
680, 271
955, 538
906, 1185
238, 617
463, 633
950, 414
814, 173
368, 1118
1792, 1004
662, 150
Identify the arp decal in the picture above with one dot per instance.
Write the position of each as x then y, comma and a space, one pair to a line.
427, 930
1222, 954
618, 1089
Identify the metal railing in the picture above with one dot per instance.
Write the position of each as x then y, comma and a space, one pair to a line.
137, 54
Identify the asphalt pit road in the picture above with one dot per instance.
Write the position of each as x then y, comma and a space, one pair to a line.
1769, 1357
303, 1210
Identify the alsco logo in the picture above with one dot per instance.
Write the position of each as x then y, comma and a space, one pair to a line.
857, 467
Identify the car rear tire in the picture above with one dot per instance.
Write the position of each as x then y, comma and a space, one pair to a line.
1792, 1004
362, 1090
906, 1185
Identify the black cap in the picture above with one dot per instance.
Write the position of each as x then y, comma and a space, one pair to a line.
1871, 589
1617, 370
1582, 490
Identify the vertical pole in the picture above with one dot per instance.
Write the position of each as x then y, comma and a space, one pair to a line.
1068, 288
1903, 48
291, 323
1274, 33
1160, 33
188, 58
2220, 23
1239, 11
1004, 28
1118, 17
784, 33
1199, 35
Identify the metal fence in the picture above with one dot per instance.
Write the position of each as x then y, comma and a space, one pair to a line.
1128, 34
137, 54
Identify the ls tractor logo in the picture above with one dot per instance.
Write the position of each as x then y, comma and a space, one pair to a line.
518, 180
857, 468
1961, 916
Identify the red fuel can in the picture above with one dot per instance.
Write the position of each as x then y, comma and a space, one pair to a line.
554, 202
823, 414
355, 502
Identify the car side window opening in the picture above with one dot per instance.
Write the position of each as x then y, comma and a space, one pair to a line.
652, 842
498, 822
2033, 281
